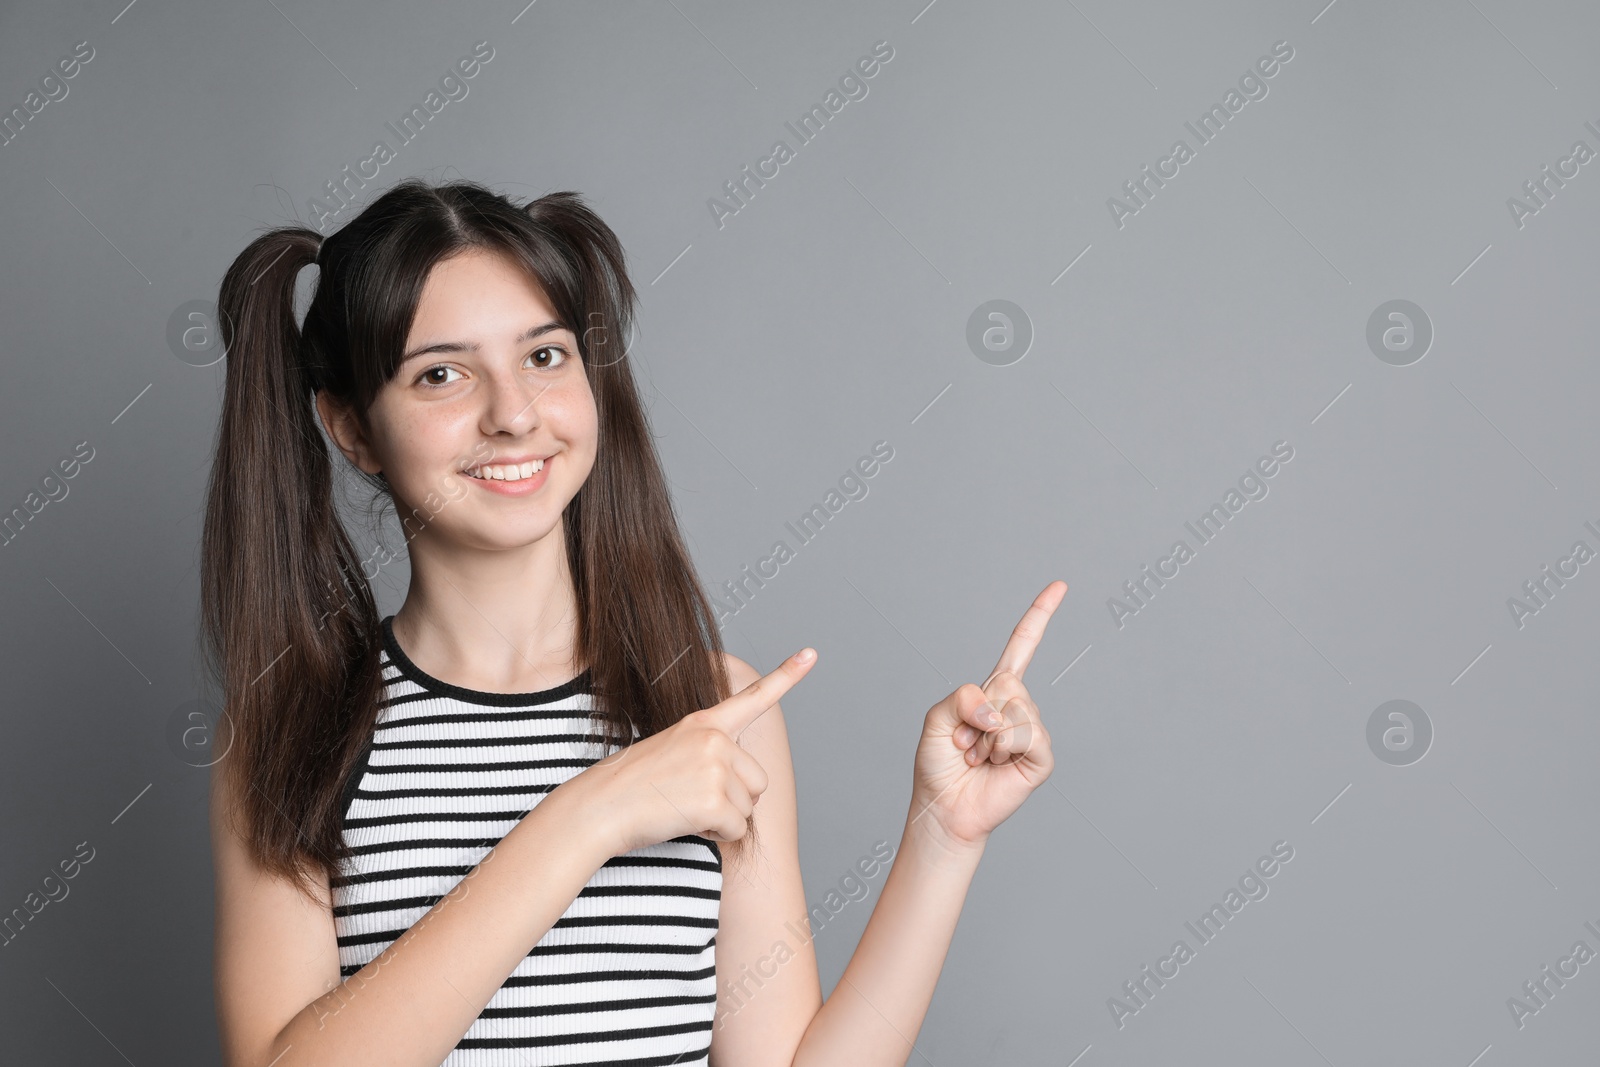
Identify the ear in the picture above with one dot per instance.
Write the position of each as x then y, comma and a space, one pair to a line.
346, 432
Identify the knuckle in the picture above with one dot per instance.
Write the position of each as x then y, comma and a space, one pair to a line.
709, 784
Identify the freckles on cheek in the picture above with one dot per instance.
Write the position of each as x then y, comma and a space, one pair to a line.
570, 410
430, 434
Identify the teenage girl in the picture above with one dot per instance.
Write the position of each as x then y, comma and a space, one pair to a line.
490, 829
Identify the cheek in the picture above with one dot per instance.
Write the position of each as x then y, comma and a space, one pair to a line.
572, 415
574, 422
430, 438
418, 450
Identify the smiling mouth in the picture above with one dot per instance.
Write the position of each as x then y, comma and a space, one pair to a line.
505, 472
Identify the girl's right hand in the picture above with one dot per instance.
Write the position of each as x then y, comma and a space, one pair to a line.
691, 778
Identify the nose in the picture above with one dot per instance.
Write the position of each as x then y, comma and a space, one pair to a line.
512, 404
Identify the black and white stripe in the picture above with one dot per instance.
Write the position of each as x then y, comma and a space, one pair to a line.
626, 976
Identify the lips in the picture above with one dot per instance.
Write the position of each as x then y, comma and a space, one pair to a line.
508, 470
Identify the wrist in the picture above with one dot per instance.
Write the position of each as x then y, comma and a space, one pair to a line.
574, 805
925, 834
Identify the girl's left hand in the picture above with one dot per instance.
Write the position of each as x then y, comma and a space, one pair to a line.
971, 774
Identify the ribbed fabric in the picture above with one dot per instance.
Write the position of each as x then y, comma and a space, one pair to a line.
627, 975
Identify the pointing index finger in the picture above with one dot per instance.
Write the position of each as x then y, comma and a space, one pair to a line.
750, 703
1030, 631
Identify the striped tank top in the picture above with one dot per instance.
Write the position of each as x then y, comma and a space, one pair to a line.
627, 975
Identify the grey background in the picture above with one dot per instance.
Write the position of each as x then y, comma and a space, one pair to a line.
830, 313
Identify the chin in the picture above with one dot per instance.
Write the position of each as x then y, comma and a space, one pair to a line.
511, 536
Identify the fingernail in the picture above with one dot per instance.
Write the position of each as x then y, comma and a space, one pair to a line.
806, 655
987, 714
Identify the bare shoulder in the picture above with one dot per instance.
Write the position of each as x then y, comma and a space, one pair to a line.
768, 733
740, 673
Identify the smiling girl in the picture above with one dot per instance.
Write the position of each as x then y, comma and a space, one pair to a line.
491, 828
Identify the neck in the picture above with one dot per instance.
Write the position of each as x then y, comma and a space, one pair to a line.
500, 621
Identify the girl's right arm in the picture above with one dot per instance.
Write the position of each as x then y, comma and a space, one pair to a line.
280, 998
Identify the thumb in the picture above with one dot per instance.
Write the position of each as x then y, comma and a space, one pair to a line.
968, 704
750, 703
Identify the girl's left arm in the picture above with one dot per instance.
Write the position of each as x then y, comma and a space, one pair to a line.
971, 773
874, 1013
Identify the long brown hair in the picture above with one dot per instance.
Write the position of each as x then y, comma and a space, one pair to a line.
289, 624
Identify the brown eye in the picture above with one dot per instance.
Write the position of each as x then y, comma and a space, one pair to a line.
560, 355
427, 376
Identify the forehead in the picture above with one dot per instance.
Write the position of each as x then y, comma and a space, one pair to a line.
481, 292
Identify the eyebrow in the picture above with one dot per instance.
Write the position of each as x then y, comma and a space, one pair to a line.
472, 346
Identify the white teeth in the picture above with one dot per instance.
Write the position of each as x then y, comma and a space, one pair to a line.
507, 472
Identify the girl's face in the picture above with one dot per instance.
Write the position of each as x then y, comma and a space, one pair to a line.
489, 382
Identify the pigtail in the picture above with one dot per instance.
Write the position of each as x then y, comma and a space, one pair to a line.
289, 624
